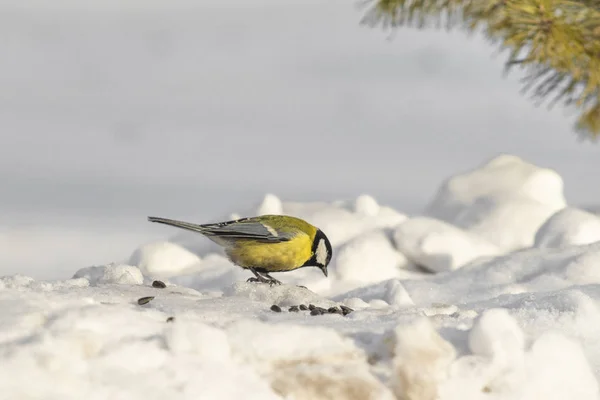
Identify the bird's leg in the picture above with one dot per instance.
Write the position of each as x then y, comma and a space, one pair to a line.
272, 281
258, 278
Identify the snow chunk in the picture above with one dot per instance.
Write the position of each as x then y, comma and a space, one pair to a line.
503, 175
509, 223
397, 295
559, 370
569, 226
421, 361
505, 201
502, 367
271, 204
497, 336
112, 273
366, 205
368, 258
439, 246
324, 382
164, 259
283, 295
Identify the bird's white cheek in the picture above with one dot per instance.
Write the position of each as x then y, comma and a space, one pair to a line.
321, 252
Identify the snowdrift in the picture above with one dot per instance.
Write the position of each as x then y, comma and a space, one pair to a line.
492, 292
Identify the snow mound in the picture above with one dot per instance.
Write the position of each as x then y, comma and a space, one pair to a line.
421, 361
164, 259
368, 258
282, 295
117, 352
500, 364
514, 275
366, 205
271, 204
569, 226
504, 201
438, 246
112, 273
306, 363
311, 381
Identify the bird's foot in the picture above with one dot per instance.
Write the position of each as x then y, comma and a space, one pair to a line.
261, 280
274, 282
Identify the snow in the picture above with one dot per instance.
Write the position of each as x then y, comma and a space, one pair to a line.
569, 226
439, 246
504, 201
440, 308
163, 259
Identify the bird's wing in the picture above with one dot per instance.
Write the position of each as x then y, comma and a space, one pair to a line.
247, 228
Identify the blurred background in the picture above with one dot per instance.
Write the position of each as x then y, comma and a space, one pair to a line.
111, 111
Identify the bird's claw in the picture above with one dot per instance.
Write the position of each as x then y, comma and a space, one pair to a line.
271, 282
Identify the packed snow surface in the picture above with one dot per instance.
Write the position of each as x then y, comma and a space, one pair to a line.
492, 293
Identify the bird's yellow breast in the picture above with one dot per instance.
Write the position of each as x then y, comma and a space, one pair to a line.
273, 257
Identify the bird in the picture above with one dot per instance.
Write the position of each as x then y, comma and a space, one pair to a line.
266, 243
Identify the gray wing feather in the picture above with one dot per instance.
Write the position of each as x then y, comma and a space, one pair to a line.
246, 228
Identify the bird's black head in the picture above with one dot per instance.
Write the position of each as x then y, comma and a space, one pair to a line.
321, 252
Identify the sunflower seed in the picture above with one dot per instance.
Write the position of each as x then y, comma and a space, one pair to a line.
293, 309
275, 308
145, 300
159, 284
311, 307
316, 311
303, 307
170, 319
346, 310
335, 310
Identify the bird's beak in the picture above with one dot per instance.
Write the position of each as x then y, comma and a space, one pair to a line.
324, 269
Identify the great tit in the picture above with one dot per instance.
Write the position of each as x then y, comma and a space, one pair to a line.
267, 243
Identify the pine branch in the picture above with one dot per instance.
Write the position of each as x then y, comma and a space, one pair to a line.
556, 42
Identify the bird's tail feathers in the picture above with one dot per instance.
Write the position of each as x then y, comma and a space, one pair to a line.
179, 224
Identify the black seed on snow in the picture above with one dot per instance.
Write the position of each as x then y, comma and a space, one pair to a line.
316, 311
293, 309
170, 319
275, 308
311, 307
303, 307
346, 310
323, 310
159, 284
334, 310
145, 300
